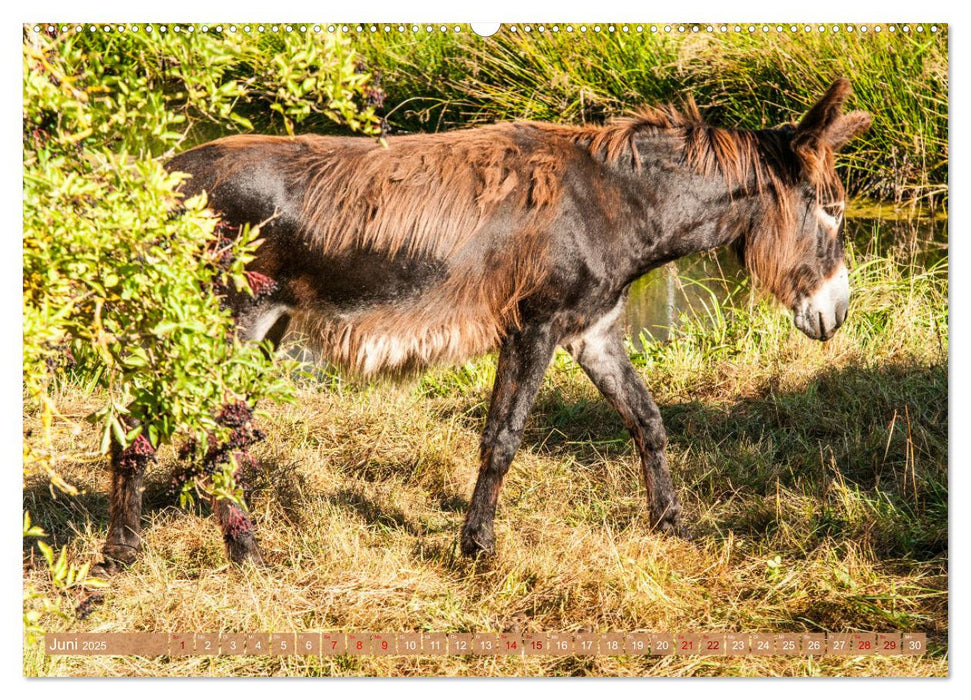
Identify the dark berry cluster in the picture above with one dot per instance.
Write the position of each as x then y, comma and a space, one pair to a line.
63, 363
239, 417
375, 96
235, 415
221, 250
261, 285
187, 451
137, 455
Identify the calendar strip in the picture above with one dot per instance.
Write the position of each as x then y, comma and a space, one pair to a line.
321, 644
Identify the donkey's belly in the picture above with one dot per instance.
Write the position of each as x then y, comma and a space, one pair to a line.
396, 339
354, 280
370, 313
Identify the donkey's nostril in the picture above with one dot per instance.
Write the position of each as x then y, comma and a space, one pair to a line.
841, 310
822, 327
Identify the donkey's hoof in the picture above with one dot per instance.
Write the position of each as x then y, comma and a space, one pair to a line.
241, 550
478, 542
670, 524
118, 556
681, 531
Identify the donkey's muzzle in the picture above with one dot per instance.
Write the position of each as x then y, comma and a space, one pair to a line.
819, 315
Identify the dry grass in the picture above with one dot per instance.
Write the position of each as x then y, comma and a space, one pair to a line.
814, 478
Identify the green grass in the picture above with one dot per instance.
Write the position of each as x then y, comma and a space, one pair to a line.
437, 81
813, 476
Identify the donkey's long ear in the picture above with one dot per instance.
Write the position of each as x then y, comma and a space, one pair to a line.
811, 131
846, 128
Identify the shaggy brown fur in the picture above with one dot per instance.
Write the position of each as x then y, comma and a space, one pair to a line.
429, 196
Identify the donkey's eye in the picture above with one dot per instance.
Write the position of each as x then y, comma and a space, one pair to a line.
834, 212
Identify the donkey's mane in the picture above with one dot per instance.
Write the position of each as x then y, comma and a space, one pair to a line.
430, 193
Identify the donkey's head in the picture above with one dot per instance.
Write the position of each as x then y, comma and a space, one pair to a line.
798, 251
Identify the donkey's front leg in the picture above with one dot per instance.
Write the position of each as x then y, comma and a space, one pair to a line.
523, 360
602, 356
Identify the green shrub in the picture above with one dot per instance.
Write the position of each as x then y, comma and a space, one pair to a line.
119, 271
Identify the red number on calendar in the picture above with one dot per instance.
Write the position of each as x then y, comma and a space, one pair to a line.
687, 645
359, 645
889, 644
865, 644
537, 645
384, 646
712, 644
333, 644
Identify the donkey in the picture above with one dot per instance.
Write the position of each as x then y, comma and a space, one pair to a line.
519, 237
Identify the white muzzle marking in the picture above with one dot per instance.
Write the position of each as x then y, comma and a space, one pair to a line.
821, 314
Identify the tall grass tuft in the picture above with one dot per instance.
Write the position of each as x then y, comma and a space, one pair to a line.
752, 80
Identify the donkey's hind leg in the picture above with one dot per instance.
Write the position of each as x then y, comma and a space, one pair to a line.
125, 506
601, 354
523, 360
239, 532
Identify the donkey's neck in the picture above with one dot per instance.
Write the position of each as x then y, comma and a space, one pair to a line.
674, 211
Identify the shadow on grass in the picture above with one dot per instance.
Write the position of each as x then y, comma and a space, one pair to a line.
864, 449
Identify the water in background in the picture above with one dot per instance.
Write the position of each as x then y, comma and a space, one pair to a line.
659, 299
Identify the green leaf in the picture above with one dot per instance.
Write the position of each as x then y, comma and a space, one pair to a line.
47, 552
118, 432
